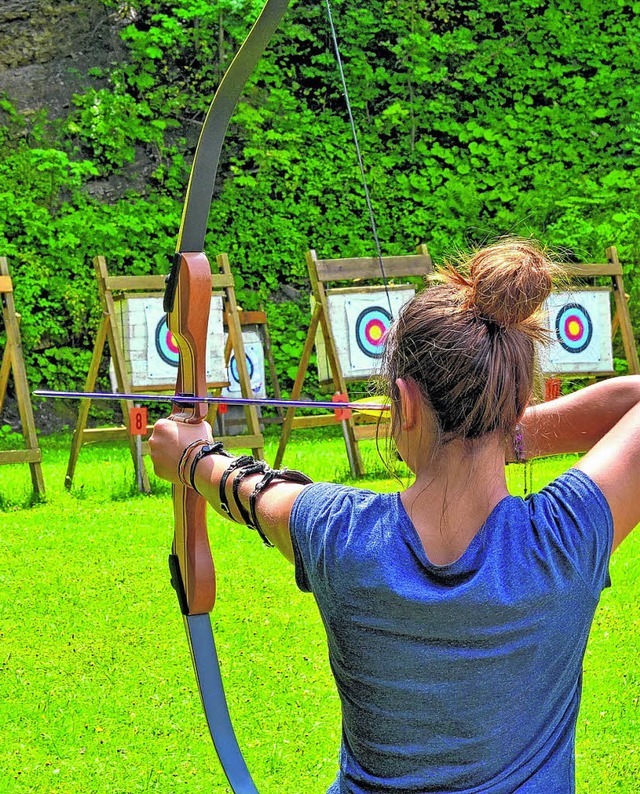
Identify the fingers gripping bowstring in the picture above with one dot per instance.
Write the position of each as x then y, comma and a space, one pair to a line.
367, 195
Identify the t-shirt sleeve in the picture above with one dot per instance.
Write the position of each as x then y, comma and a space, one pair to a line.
578, 512
309, 524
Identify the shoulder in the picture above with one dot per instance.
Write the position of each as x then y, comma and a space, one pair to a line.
322, 503
332, 526
571, 516
574, 495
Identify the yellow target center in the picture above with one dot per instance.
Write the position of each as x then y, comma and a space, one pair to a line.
376, 333
574, 328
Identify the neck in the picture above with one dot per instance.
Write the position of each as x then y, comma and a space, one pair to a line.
453, 494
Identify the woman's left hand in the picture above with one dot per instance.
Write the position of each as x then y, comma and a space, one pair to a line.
169, 440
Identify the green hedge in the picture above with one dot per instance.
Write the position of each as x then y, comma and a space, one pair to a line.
475, 120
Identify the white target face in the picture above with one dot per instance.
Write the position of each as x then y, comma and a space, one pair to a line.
254, 356
580, 328
359, 321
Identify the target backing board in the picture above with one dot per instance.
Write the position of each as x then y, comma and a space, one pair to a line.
150, 351
254, 354
359, 322
579, 323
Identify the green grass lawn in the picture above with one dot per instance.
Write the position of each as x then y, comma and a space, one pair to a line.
97, 693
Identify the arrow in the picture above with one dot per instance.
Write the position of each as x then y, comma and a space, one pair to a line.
365, 405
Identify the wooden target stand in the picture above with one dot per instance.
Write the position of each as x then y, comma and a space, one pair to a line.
321, 273
13, 362
548, 383
114, 289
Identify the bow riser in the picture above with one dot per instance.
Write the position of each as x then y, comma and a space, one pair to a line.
188, 322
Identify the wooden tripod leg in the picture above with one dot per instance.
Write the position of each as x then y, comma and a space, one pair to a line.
287, 425
237, 343
5, 371
85, 405
622, 313
142, 478
356, 465
15, 359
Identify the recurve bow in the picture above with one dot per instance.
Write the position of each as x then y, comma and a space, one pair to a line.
186, 302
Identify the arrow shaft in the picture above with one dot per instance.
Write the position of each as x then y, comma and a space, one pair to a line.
188, 399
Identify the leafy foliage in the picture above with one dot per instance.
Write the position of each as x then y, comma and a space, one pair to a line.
475, 120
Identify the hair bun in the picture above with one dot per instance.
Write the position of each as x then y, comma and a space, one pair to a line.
508, 282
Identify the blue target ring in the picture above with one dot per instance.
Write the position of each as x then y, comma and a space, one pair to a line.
371, 329
233, 368
574, 327
166, 346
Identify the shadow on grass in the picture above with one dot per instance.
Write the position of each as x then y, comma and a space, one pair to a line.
25, 499
119, 490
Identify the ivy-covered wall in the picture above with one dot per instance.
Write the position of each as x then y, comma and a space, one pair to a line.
476, 119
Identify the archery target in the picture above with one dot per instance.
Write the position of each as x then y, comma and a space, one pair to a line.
370, 330
358, 321
574, 327
579, 323
166, 345
254, 356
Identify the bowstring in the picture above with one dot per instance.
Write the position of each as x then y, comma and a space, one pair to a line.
363, 176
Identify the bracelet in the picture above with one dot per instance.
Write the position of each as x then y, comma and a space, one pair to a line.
182, 464
238, 463
206, 449
518, 445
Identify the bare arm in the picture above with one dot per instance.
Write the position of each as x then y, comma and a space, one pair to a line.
602, 420
578, 421
273, 506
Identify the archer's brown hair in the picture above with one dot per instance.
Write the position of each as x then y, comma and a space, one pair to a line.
468, 342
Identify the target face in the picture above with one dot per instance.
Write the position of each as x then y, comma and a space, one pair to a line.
579, 322
150, 349
166, 344
254, 358
359, 319
574, 327
370, 330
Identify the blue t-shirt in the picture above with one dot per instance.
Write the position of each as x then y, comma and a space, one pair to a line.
463, 677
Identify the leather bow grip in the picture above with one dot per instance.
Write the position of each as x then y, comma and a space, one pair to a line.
188, 298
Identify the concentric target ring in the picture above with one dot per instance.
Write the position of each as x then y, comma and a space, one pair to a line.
233, 368
166, 346
370, 330
574, 327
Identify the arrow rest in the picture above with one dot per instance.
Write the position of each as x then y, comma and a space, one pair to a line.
172, 284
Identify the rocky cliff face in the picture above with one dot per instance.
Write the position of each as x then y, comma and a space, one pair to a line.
47, 48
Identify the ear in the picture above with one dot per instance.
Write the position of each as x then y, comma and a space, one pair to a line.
410, 403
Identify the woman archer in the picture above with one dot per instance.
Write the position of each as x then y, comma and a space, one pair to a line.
456, 615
